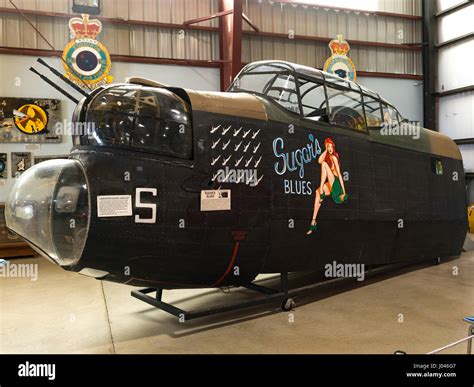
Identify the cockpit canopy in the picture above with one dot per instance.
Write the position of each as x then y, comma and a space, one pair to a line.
316, 95
135, 117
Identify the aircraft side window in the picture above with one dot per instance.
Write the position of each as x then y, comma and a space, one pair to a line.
345, 108
274, 82
253, 81
373, 114
283, 91
390, 115
313, 101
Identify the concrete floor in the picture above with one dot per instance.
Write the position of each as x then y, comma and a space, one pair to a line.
65, 312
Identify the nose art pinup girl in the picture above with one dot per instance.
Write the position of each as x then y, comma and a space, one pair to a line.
331, 181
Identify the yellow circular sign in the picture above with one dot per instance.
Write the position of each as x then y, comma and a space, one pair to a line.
31, 119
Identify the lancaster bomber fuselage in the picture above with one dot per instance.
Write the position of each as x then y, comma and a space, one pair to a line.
289, 170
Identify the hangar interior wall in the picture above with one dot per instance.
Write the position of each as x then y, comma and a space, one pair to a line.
405, 94
288, 20
456, 112
121, 38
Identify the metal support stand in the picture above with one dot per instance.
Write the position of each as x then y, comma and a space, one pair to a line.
283, 295
271, 295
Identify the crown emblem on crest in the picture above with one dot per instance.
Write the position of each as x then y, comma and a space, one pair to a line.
339, 46
339, 62
85, 28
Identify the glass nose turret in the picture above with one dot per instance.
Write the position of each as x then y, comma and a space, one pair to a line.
49, 206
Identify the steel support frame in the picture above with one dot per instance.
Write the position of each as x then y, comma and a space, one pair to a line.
230, 40
429, 64
271, 296
284, 295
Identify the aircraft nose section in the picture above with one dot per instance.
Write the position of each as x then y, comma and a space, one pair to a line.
49, 206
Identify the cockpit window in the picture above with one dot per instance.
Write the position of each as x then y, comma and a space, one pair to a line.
152, 120
272, 81
373, 113
313, 100
345, 108
316, 95
390, 115
282, 90
256, 80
